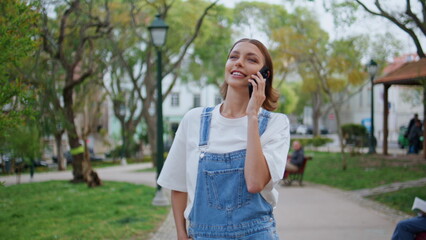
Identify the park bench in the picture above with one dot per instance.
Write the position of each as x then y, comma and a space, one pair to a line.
289, 177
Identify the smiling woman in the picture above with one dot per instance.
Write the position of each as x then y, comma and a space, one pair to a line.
244, 56
226, 161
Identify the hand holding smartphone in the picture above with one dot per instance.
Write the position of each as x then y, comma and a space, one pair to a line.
265, 74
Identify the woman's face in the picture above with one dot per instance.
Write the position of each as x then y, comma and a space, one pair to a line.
244, 60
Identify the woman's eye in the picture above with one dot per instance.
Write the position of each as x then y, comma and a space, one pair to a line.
253, 60
232, 57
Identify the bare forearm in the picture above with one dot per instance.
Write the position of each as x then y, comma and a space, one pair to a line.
256, 169
179, 201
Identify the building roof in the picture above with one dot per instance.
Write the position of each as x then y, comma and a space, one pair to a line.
407, 74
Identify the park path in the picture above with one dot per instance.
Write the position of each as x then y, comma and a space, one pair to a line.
303, 212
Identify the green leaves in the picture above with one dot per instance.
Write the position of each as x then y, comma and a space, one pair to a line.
17, 41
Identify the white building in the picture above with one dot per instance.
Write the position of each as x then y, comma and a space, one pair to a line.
186, 96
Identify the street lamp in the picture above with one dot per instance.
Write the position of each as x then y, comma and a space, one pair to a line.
158, 31
372, 70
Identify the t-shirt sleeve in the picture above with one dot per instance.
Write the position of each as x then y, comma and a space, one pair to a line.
275, 145
173, 175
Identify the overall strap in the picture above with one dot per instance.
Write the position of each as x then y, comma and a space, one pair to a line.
206, 118
263, 120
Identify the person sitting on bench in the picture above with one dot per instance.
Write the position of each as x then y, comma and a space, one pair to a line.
412, 228
296, 159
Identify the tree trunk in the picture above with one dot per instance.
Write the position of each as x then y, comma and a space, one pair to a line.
62, 164
152, 132
340, 134
316, 112
82, 169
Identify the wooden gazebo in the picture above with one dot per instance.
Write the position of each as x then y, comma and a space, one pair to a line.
410, 73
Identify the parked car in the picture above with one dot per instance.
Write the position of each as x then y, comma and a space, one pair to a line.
293, 128
302, 129
324, 130
306, 129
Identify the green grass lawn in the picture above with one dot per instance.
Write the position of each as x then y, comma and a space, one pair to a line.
363, 171
369, 171
152, 169
401, 200
61, 210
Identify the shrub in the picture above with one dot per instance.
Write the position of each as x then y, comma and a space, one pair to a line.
355, 134
315, 141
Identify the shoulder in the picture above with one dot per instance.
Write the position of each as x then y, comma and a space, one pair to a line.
279, 118
278, 126
193, 114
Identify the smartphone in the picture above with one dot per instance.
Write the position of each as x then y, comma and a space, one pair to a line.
265, 74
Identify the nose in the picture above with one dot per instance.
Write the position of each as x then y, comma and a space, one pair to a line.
239, 62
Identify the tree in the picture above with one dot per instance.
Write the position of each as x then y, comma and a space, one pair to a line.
329, 69
301, 35
17, 42
209, 49
288, 98
133, 79
90, 106
410, 18
72, 44
337, 71
26, 145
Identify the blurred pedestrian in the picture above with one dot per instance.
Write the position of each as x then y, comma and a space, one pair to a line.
411, 124
414, 137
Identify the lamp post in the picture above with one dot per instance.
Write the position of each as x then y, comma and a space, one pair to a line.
158, 31
372, 70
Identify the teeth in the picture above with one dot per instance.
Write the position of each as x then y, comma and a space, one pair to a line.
237, 74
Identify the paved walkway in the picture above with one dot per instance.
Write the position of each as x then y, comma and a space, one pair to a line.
308, 212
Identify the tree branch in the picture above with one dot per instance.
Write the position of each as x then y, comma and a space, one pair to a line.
190, 40
413, 16
60, 54
402, 26
79, 80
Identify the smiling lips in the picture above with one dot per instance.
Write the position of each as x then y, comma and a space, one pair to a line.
238, 74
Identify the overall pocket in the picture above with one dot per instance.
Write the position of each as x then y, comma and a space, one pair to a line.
226, 189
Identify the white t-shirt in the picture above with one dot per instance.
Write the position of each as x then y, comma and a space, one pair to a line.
226, 135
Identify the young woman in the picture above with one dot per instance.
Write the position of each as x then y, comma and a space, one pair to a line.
226, 160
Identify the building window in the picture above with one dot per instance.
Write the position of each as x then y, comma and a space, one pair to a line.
217, 99
197, 100
175, 100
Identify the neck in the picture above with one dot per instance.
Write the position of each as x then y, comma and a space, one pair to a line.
233, 109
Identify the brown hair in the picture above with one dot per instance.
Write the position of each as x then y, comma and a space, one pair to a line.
272, 95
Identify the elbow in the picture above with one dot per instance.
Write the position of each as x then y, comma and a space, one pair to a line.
254, 187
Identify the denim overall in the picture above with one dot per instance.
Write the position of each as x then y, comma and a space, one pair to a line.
223, 208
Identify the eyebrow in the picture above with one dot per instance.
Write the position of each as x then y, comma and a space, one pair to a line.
249, 54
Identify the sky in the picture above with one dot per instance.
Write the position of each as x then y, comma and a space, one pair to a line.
365, 25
